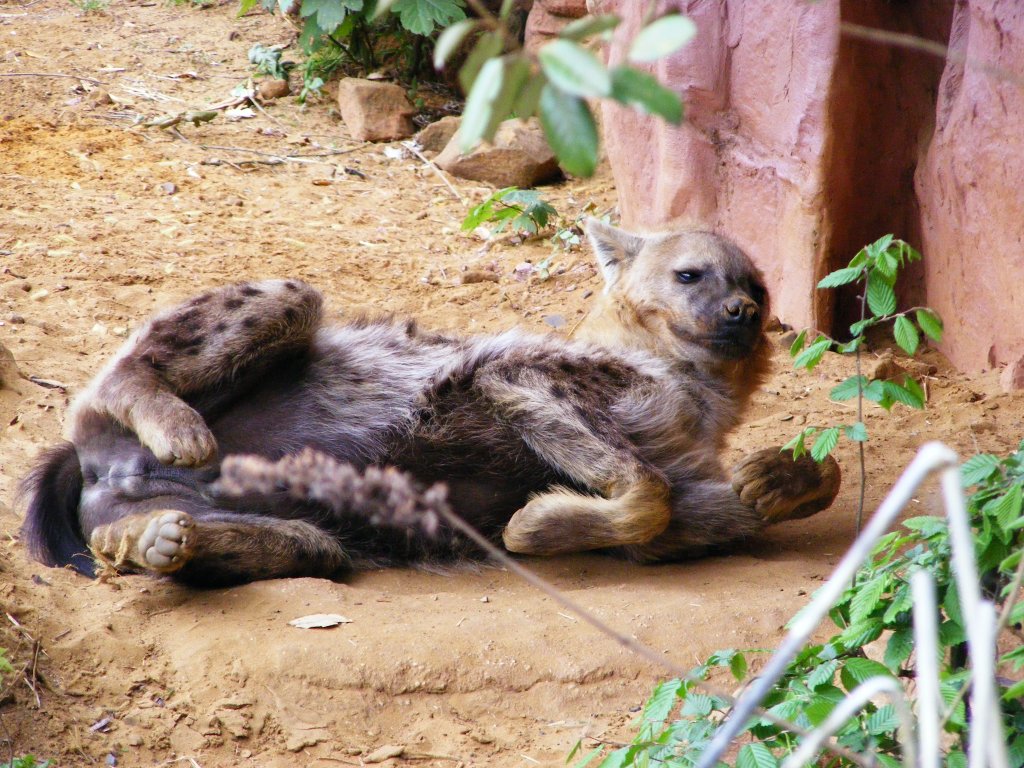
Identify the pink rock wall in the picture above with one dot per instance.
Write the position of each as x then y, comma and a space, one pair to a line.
747, 161
802, 144
971, 189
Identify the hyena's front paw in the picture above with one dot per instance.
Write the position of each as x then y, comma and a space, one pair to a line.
779, 488
177, 436
160, 542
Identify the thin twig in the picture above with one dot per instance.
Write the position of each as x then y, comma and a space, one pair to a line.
52, 74
915, 43
627, 642
430, 163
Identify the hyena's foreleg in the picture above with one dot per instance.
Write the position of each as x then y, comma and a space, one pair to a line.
767, 487
214, 341
560, 415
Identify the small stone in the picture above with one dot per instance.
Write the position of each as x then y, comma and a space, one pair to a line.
15, 319
273, 89
386, 752
1012, 377
435, 136
134, 740
101, 97
168, 188
478, 276
39, 295
519, 156
374, 111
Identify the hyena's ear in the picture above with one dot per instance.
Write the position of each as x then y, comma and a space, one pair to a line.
615, 248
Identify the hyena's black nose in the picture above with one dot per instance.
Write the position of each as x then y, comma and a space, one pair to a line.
741, 310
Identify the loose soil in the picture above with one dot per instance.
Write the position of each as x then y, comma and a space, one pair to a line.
103, 221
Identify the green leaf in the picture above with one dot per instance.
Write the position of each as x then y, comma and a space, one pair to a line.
662, 701
856, 432
421, 17
841, 277
956, 758
851, 346
756, 755
661, 38
587, 758
738, 666
1015, 691
849, 389
449, 41
886, 264
860, 326
617, 759
930, 323
823, 673
906, 335
529, 97
329, 13
881, 298
570, 130
898, 649
588, 26
858, 670
825, 443
486, 48
1007, 508
867, 597
479, 113
811, 356
883, 720
903, 394
574, 70
798, 343
860, 633
978, 468
697, 705
796, 445
643, 92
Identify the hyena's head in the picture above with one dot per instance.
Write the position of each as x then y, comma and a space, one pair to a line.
687, 294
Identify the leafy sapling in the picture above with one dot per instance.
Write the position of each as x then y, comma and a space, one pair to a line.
875, 267
522, 209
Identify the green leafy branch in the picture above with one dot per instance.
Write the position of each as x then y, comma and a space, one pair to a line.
501, 80
874, 637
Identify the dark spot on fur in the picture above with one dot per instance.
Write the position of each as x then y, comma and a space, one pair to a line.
187, 316
558, 391
192, 351
291, 286
290, 314
250, 322
233, 303
251, 291
200, 300
568, 367
220, 327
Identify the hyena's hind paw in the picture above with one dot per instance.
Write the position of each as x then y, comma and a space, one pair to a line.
779, 488
159, 542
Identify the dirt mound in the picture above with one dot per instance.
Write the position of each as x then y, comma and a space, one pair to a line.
104, 221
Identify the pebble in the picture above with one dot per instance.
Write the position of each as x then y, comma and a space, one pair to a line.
15, 319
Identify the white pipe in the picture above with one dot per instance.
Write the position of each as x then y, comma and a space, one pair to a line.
926, 632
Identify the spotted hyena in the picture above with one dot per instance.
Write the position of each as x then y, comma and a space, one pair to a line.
609, 441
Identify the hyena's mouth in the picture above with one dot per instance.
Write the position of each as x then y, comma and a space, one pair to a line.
728, 344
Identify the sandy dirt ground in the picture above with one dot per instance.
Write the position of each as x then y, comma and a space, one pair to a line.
101, 222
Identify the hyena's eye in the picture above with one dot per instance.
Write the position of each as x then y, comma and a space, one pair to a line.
687, 276
758, 293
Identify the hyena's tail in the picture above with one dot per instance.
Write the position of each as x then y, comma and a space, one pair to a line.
51, 492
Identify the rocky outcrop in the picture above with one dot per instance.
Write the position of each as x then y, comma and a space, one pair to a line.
374, 110
435, 136
970, 187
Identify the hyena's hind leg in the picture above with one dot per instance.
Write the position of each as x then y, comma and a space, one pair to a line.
767, 487
217, 548
216, 341
559, 408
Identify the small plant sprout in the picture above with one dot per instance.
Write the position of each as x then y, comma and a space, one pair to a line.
875, 268
522, 209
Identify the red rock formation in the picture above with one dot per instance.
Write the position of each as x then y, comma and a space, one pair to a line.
970, 189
